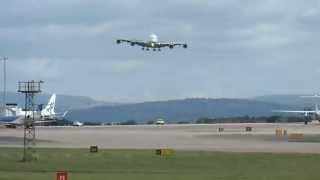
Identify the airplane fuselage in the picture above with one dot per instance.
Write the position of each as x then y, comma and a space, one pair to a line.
149, 44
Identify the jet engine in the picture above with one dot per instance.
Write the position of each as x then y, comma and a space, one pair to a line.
171, 46
185, 46
132, 43
118, 41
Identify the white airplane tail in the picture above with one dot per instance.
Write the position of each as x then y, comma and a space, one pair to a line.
49, 109
317, 108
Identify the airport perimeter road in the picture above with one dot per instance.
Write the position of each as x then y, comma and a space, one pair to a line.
234, 138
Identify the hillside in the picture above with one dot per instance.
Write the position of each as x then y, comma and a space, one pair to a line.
87, 109
176, 110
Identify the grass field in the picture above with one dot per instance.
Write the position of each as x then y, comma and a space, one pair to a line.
145, 165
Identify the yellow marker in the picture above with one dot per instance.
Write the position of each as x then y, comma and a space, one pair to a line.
165, 152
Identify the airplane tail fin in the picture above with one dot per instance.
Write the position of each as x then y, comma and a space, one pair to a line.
49, 109
317, 108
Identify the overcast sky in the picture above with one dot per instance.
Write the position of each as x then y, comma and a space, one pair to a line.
237, 49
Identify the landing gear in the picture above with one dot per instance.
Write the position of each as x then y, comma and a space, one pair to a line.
142, 48
147, 49
159, 49
307, 119
154, 49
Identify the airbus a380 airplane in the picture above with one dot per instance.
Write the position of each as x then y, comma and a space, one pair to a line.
306, 113
46, 115
153, 43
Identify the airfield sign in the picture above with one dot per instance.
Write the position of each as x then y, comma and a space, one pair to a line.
62, 175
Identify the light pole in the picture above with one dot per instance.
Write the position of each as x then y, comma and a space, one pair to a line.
4, 83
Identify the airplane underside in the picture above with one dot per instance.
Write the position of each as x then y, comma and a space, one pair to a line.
149, 48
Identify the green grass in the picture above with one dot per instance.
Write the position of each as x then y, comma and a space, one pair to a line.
145, 165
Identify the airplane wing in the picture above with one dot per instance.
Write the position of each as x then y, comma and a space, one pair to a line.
172, 45
124, 40
131, 42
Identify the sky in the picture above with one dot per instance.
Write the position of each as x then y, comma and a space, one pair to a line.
237, 49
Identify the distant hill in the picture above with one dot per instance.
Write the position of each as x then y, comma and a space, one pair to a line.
87, 109
176, 110
63, 102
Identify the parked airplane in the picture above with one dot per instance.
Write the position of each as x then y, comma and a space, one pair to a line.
153, 43
17, 115
14, 121
307, 113
304, 112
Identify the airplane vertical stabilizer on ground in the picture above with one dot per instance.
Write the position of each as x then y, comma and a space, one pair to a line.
49, 109
46, 115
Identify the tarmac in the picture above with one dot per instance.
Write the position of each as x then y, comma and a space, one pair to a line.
200, 137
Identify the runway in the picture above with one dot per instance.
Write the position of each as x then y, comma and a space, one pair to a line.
234, 138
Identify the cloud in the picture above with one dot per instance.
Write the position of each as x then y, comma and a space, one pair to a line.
34, 68
236, 48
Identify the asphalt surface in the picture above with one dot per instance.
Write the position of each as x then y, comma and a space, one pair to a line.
234, 138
